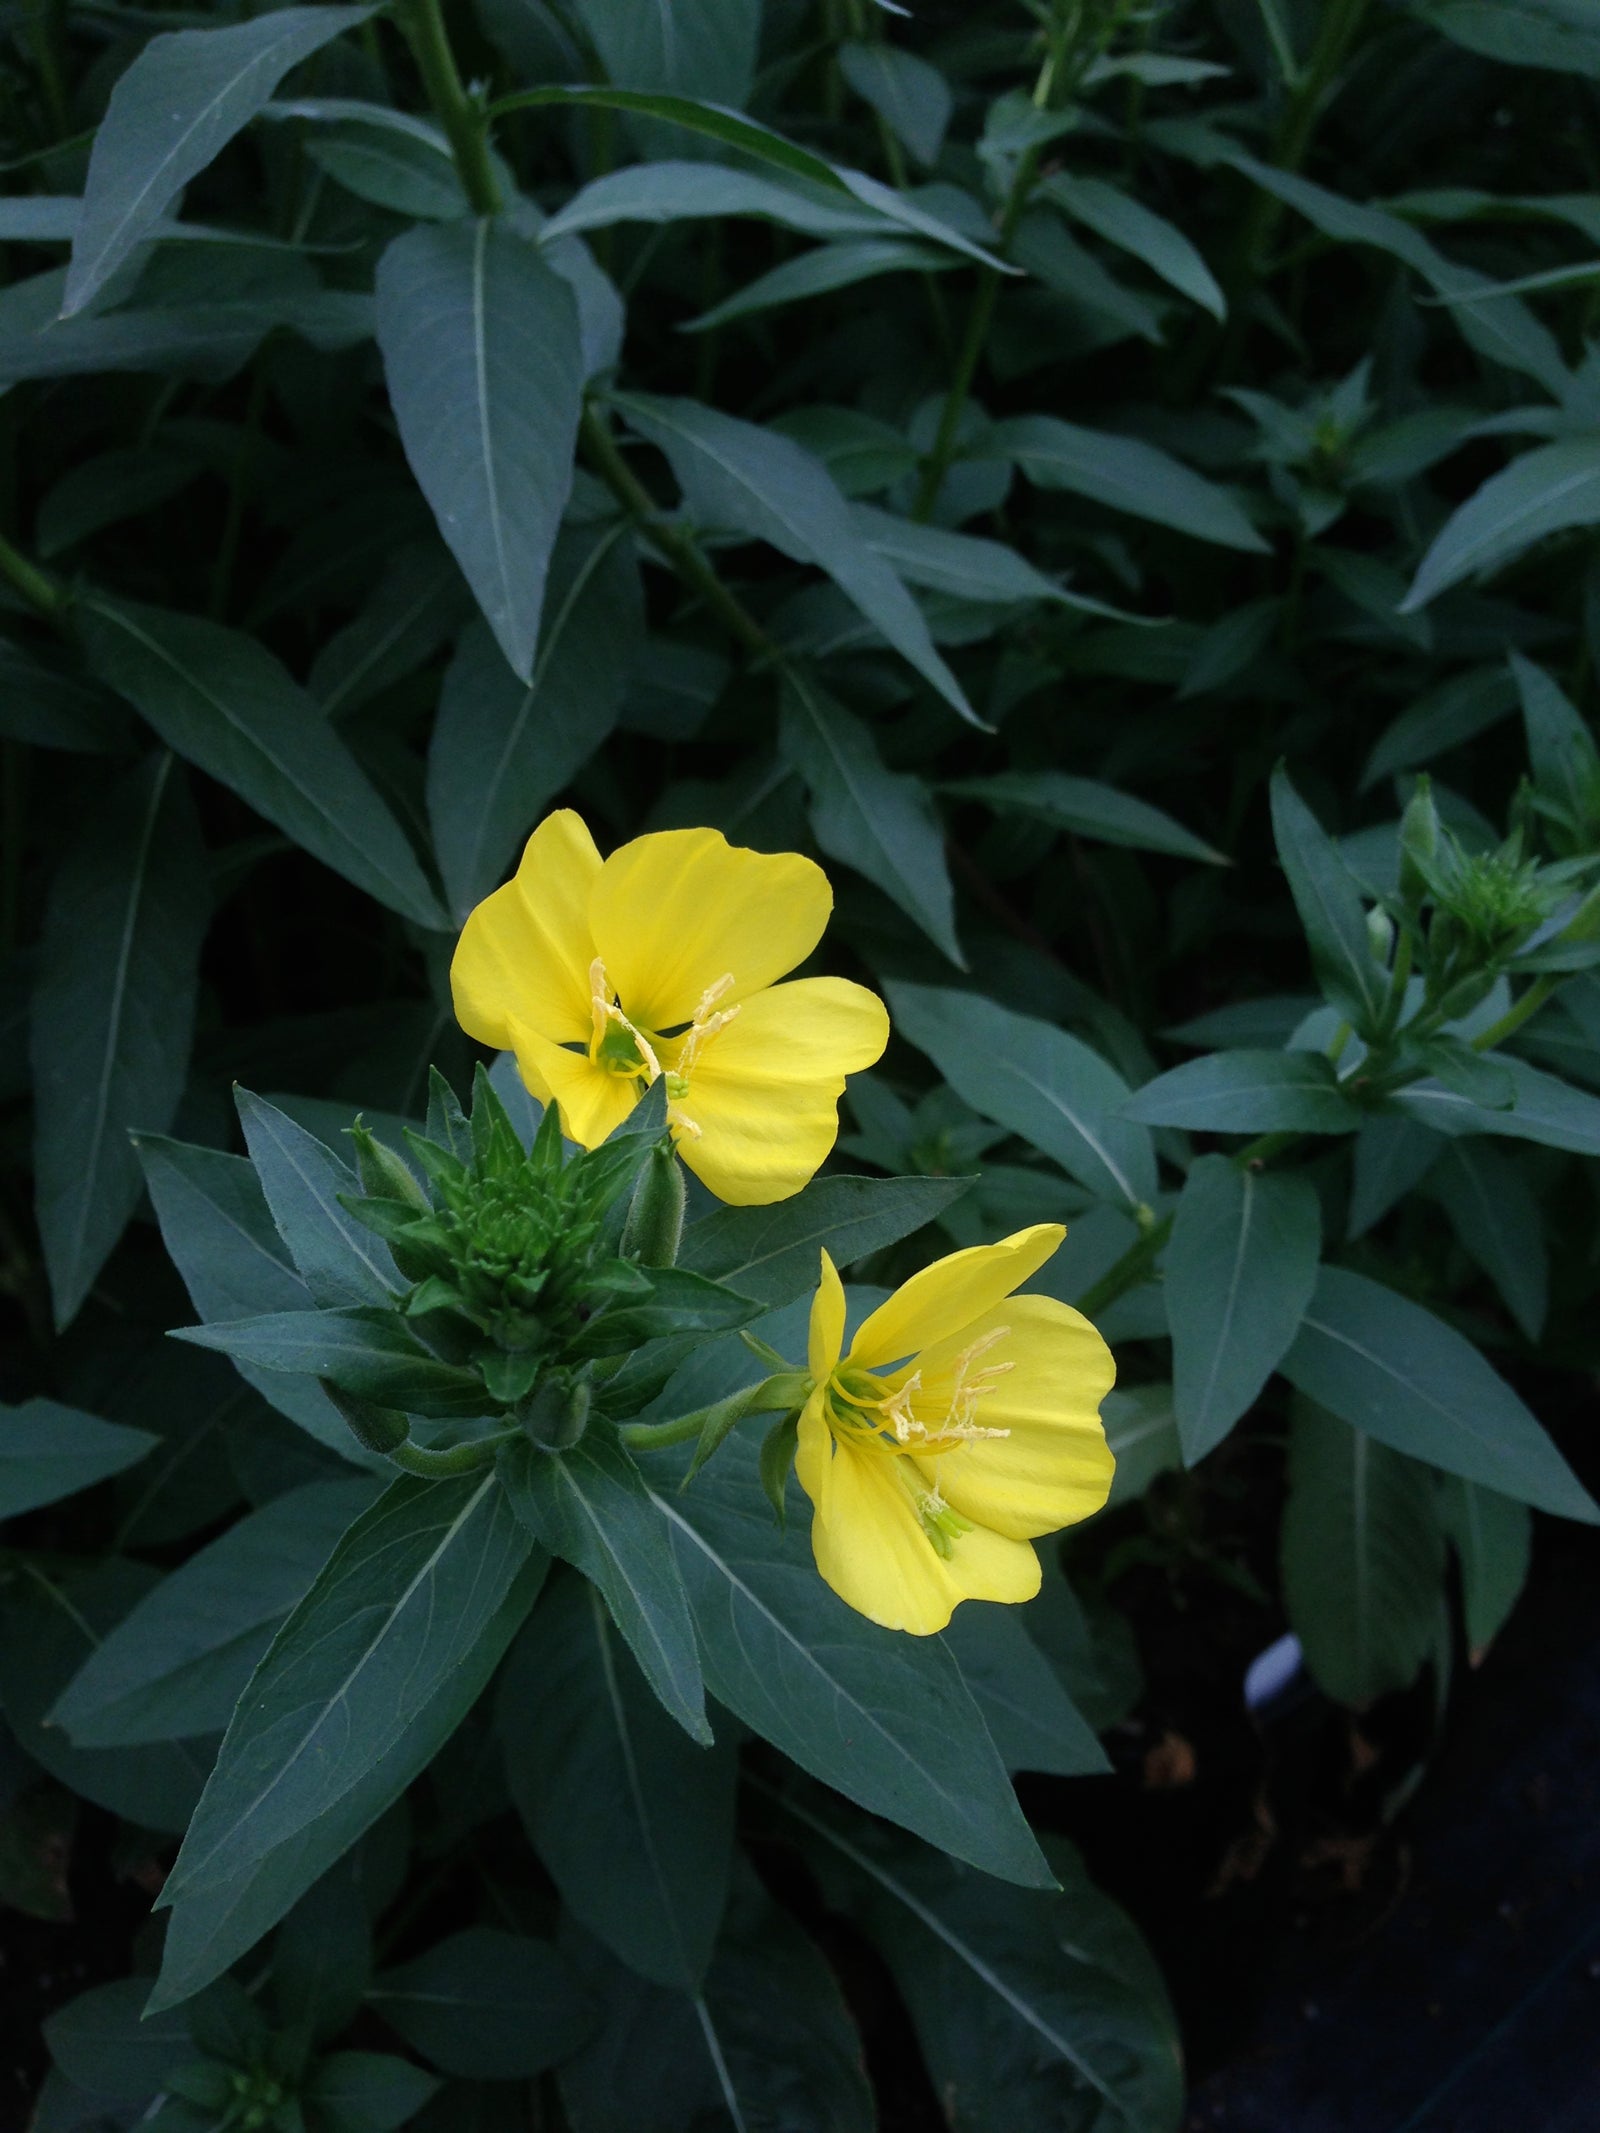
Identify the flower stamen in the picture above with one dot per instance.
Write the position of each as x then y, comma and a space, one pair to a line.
959, 1424
617, 1043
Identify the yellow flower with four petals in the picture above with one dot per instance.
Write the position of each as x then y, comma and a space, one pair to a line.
962, 1424
601, 975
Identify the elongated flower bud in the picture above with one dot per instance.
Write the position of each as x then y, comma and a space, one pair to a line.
655, 1220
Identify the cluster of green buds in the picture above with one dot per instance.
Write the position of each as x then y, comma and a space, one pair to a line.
533, 1272
1489, 912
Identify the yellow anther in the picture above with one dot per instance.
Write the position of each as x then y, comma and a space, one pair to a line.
608, 1015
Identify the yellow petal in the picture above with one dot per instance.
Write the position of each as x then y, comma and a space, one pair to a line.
765, 1090
870, 1547
675, 911
525, 951
593, 1103
951, 1294
1055, 1467
826, 1336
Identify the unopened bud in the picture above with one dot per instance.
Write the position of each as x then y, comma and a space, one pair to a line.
654, 1227
379, 1429
382, 1173
1419, 841
556, 1413
1380, 936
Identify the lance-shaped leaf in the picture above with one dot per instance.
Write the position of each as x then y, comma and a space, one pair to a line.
486, 2004
485, 371
398, 1606
1545, 491
367, 1352
210, 1930
1329, 904
1496, 1213
634, 1821
742, 479
591, 1507
1103, 813
1561, 749
340, 1260
771, 1253
1247, 1092
223, 701
1035, 1080
113, 1012
1114, 214
1363, 1558
218, 1230
879, 821
174, 1667
1240, 1270
183, 99
1037, 2013
1492, 1536
701, 47
682, 192
886, 1719
1387, 1366
1035, 1724
48, 1451
502, 749
1544, 1109
1123, 472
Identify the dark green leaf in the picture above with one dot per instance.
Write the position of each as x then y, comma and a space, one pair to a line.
1240, 1270
497, 2006
99, 2042
42, 702
183, 99
591, 1507
216, 1225
1035, 1080
1123, 472
485, 372
366, 1352
1037, 2013
1487, 1196
911, 97
1363, 1558
679, 192
113, 1012
883, 1718
1034, 1723
224, 702
175, 1665
1247, 1092
48, 1451
340, 1260
1330, 908
1102, 813
772, 1253
1385, 1365
1545, 491
1115, 215
502, 751
1492, 1537
1561, 749
634, 1822
224, 1918
876, 820
50, 1624
367, 2092
406, 1595
1545, 1109
819, 273
742, 479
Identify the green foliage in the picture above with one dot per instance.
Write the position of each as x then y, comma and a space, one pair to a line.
1115, 481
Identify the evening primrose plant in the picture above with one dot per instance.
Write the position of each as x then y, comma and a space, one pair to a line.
556, 577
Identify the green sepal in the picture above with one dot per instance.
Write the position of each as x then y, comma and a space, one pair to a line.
654, 1228
721, 1417
375, 1428
763, 1350
434, 1294
383, 1174
778, 1448
509, 1376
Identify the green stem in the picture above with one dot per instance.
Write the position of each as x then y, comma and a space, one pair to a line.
652, 1436
1341, 19
1512, 1020
41, 591
671, 542
464, 120
466, 1458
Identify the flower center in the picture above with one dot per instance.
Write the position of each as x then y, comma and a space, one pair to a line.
619, 1046
900, 1420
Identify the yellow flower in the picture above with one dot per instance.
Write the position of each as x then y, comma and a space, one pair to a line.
963, 1423
600, 975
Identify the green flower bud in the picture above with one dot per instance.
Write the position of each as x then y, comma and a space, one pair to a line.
379, 1429
1380, 936
382, 1173
655, 1219
1419, 844
556, 1415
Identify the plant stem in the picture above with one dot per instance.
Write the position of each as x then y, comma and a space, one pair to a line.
462, 117
674, 545
41, 591
466, 1458
1520, 1011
